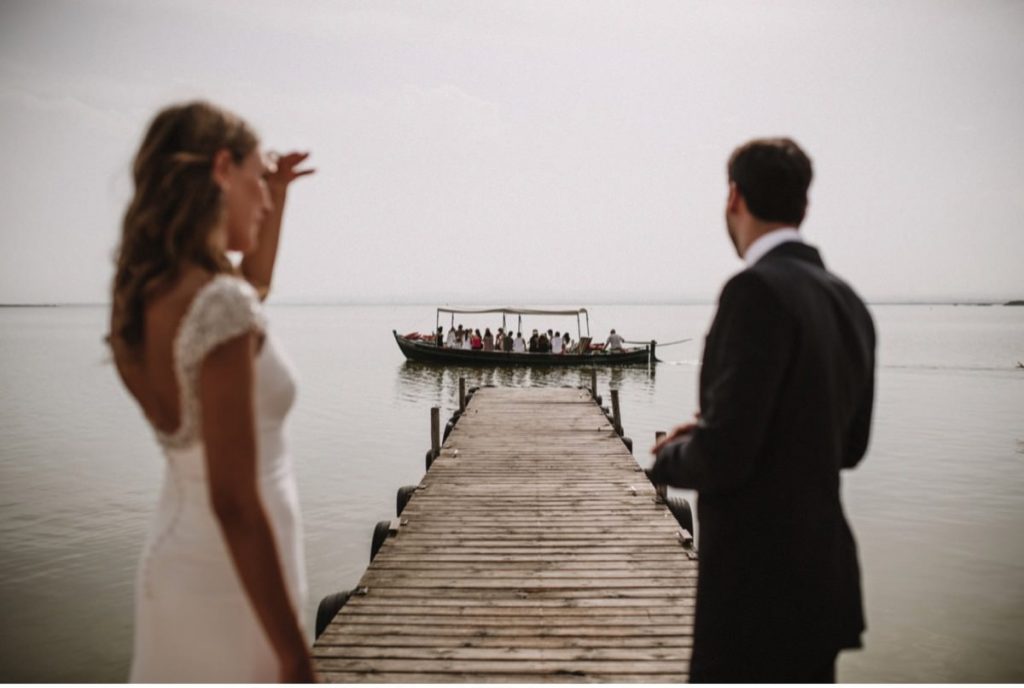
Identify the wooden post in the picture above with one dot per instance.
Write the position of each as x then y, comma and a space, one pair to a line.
662, 490
593, 382
462, 394
435, 430
616, 415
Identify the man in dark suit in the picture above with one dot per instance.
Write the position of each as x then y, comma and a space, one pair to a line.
786, 390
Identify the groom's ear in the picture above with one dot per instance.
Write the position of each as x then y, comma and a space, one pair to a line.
735, 199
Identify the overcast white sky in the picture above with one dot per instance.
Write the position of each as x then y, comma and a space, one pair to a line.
528, 152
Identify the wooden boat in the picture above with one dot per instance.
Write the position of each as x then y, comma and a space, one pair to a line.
424, 348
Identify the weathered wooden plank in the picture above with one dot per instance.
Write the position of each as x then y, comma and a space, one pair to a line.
640, 515
575, 619
520, 576
624, 496
470, 634
506, 654
525, 677
505, 472
612, 576
439, 541
667, 601
498, 507
526, 594
498, 547
539, 531
638, 520
533, 612
505, 667
523, 583
530, 525
552, 492
639, 557
573, 541
472, 549
586, 514
546, 529
373, 638
538, 566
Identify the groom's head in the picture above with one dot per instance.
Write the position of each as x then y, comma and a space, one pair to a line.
773, 176
768, 182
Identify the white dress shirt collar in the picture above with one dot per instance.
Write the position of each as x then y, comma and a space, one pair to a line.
766, 242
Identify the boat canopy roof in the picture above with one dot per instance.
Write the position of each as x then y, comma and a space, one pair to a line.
514, 311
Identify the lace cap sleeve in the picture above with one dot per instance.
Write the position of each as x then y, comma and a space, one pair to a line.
223, 309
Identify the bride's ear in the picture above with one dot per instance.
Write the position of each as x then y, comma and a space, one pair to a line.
222, 164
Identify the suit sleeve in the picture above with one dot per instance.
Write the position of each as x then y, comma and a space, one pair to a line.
754, 340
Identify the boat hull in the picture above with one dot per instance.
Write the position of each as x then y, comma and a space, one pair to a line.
429, 353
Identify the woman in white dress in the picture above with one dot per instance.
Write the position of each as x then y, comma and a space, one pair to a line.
222, 578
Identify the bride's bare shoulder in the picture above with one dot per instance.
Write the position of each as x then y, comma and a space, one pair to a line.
167, 307
163, 311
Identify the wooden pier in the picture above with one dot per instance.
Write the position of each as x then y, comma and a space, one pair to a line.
534, 550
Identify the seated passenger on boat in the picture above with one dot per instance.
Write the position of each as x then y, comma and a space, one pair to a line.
467, 335
556, 343
506, 342
519, 345
543, 343
614, 342
566, 342
488, 340
450, 342
476, 342
499, 339
533, 342
439, 337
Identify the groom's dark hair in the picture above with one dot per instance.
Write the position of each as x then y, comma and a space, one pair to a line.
773, 176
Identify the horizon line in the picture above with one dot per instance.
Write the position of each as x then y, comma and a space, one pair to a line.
434, 304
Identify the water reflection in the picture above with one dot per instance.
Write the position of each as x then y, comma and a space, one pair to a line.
417, 382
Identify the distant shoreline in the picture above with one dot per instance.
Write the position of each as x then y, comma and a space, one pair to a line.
43, 305
1014, 302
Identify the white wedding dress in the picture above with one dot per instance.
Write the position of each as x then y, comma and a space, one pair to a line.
193, 619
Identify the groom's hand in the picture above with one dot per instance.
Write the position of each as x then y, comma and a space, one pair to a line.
677, 432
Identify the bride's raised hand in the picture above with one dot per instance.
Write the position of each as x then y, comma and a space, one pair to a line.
286, 168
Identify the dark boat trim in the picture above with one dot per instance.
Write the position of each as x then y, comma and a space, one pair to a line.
430, 353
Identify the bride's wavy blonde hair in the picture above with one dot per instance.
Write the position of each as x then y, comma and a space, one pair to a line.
175, 207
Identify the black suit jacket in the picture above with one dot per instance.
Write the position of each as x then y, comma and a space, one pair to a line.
786, 391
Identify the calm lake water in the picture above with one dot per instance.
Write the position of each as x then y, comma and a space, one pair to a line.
936, 506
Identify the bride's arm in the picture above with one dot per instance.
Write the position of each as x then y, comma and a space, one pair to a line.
258, 265
229, 438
